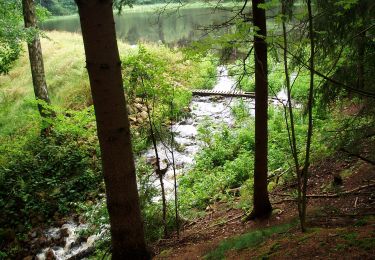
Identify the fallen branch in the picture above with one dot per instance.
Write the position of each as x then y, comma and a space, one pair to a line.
285, 200
340, 193
335, 195
281, 194
358, 156
236, 217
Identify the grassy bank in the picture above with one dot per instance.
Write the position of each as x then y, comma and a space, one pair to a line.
67, 77
46, 179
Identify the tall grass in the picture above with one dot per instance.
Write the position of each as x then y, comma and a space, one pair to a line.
67, 78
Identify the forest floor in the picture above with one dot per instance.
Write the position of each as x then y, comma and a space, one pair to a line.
340, 220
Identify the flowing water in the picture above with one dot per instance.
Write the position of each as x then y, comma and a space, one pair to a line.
216, 109
213, 108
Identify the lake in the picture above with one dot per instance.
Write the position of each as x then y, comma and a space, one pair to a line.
173, 28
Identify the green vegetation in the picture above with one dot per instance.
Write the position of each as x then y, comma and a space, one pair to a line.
43, 179
10, 34
226, 160
47, 179
248, 240
59, 7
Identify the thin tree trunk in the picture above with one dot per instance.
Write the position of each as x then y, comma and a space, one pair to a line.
262, 206
291, 135
310, 126
158, 170
104, 69
36, 58
177, 218
361, 43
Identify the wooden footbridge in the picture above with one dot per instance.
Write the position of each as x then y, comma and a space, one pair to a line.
205, 92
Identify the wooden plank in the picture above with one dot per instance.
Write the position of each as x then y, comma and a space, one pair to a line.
204, 92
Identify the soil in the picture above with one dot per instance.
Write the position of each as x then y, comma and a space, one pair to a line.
341, 226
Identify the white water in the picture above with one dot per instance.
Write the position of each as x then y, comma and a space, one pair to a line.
216, 109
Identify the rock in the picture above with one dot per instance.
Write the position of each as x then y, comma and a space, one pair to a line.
139, 120
144, 108
34, 234
138, 100
42, 242
78, 241
64, 232
29, 257
139, 107
130, 109
132, 119
144, 115
50, 255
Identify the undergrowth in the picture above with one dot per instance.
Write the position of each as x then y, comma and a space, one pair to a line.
226, 160
248, 240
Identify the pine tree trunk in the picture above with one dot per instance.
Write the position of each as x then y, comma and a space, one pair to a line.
104, 69
262, 206
36, 58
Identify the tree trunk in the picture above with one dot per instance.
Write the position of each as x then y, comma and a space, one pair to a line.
310, 126
158, 170
361, 49
291, 128
262, 206
36, 58
104, 69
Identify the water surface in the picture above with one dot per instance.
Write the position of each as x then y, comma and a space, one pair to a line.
174, 28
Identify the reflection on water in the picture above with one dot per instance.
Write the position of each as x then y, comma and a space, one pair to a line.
177, 28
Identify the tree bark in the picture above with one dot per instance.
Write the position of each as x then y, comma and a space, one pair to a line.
36, 58
158, 170
291, 128
104, 69
361, 49
305, 172
262, 206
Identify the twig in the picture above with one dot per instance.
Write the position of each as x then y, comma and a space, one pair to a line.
284, 200
358, 156
312, 196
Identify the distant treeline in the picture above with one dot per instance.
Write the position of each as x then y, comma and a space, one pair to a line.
59, 7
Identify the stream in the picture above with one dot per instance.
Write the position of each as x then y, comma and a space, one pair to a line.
214, 108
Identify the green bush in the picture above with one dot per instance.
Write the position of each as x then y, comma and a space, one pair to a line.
42, 177
226, 160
